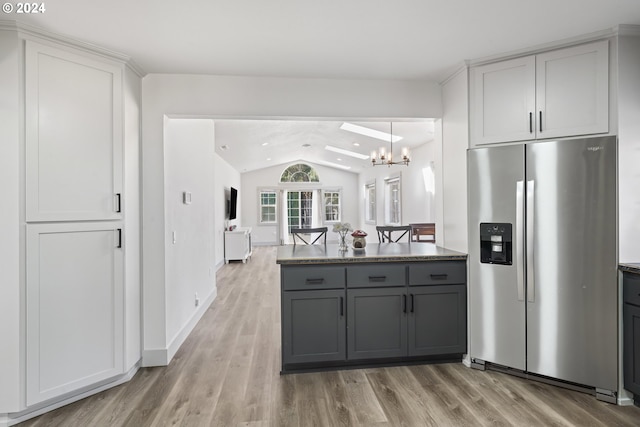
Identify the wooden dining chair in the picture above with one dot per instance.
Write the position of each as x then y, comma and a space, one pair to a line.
307, 233
393, 234
423, 232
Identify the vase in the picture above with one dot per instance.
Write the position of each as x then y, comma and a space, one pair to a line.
342, 245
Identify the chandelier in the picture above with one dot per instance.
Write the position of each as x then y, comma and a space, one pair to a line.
385, 158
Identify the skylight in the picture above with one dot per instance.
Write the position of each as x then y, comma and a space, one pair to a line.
361, 130
335, 165
346, 152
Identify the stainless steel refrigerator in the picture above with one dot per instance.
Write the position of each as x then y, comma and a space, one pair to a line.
543, 262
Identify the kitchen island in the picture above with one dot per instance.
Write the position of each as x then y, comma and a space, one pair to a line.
391, 303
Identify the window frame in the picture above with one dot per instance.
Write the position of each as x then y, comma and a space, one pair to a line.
324, 193
388, 199
370, 207
261, 205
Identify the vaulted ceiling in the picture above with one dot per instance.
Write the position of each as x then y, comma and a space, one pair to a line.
346, 39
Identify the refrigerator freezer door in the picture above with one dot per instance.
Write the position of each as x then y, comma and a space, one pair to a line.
571, 323
496, 313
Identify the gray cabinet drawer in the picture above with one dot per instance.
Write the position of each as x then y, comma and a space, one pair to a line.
376, 275
631, 285
309, 277
437, 273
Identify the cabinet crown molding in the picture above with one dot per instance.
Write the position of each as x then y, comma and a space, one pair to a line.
28, 31
558, 44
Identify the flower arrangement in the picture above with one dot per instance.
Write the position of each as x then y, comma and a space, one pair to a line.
342, 228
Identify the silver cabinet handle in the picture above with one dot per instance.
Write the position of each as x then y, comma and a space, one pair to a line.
520, 238
530, 230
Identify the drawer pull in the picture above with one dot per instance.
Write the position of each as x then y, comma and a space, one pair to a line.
341, 306
412, 303
439, 276
315, 281
377, 278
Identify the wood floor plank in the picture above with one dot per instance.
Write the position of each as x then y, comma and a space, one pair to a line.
227, 373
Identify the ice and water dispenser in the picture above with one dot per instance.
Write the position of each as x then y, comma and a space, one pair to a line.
495, 243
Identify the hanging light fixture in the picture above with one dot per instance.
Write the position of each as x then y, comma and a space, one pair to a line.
383, 158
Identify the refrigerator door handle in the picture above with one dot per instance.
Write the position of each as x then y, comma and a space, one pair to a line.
530, 221
520, 238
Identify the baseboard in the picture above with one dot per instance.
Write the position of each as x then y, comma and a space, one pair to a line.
466, 360
48, 406
625, 401
163, 356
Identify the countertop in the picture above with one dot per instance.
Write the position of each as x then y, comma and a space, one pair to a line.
374, 252
630, 267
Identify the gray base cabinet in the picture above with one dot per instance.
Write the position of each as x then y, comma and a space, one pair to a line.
377, 323
313, 326
437, 320
349, 315
631, 314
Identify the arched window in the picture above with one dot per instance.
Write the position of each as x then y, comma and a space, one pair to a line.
299, 173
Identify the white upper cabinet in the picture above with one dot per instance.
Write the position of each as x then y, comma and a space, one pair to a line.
550, 95
504, 101
572, 91
73, 136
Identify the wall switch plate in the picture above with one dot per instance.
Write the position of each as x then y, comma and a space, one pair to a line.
186, 197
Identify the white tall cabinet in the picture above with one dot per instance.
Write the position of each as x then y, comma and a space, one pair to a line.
560, 93
74, 174
70, 298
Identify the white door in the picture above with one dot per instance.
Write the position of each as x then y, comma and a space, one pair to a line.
503, 101
73, 136
572, 91
74, 295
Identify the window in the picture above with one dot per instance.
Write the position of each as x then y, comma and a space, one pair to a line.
392, 201
299, 173
370, 203
268, 207
331, 206
299, 209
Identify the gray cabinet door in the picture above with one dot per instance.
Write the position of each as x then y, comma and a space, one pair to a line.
632, 349
631, 327
437, 320
376, 323
313, 326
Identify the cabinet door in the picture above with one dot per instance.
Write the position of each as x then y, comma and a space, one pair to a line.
313, 326
572, 91
74, 300
73, 136
632, 348
503, 101
437, 320
376, 323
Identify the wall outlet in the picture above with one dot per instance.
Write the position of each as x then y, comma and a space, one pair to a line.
197, 302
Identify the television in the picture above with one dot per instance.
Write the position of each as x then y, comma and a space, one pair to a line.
233, 203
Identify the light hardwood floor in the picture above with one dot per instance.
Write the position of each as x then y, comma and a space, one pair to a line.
227, 374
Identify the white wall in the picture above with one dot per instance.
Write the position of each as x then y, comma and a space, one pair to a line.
189, 262
455, 141
225, 177
330, 178
629, 147
11, 157
197, 95
417, 204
